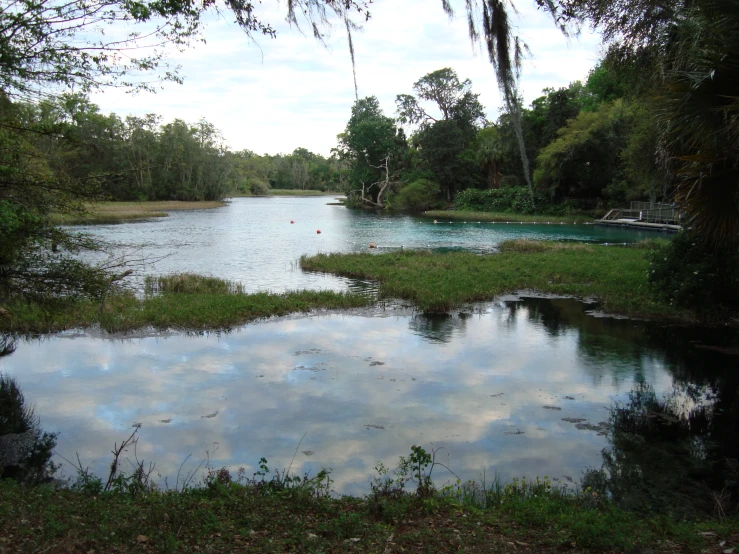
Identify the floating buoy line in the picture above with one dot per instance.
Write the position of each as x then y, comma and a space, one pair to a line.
374, 246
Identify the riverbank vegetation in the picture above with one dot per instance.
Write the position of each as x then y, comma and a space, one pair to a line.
112, 212
227, 516
472, 216
182, 301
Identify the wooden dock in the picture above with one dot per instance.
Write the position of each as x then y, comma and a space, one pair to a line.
643, 215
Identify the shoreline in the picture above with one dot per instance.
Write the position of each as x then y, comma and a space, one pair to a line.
505, 217
226, 514
420, 281
122, 212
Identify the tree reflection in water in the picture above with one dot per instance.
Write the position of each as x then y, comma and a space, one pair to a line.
676, 454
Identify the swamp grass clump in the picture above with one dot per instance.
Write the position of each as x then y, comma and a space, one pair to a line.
525, 245
439, 282
191, 283
123, 312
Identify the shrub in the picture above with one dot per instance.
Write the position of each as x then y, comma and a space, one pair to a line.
418, 196
513, 199
258, 187
25, 450
692, 273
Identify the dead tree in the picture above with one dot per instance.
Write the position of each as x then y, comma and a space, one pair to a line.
384, 185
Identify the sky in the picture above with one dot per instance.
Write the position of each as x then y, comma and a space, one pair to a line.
274, 95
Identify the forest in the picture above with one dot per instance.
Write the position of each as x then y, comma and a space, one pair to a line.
144, 158
591, 145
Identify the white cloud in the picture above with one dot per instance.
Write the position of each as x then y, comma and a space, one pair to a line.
277, 95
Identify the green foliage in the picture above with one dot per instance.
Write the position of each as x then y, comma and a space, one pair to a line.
27, 456
369, 138
259, 188
444, 142
417, 196
509, 199
190, 283
693, 273
445, 149
122, 312
585, 157
452, 97
698, 116
437, 282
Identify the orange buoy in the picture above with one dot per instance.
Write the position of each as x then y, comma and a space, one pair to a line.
318, 232
291, 221
372, 245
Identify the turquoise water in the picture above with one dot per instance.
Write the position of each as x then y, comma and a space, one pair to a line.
252, 240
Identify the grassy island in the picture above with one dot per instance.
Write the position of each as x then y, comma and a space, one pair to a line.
617, 276
435, 282
187, 308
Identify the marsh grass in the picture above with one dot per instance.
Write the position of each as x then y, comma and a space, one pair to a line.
439, 282
525, 245
461, 215
124, 312
114, 212
191, 283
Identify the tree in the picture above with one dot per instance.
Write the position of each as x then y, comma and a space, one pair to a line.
585, 157
445, 149
371, 144
47, 44
488, 153
687, 53
454, 99
443, 140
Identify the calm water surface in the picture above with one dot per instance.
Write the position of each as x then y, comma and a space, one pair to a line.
519, 388
252, 241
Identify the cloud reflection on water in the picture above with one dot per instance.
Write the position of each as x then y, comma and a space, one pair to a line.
474, 384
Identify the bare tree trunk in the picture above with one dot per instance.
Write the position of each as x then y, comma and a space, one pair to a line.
383, 185
515, 110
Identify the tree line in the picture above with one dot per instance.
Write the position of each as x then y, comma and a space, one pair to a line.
142, 158
590, 145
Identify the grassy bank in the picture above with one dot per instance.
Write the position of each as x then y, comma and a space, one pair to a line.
301, 192
189, 307
459, 215
440, 282
232, 518
112, 212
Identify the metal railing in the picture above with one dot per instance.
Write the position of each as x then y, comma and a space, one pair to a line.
646, 212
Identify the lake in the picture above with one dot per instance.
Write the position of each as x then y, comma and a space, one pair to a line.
516, 387
252, 240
